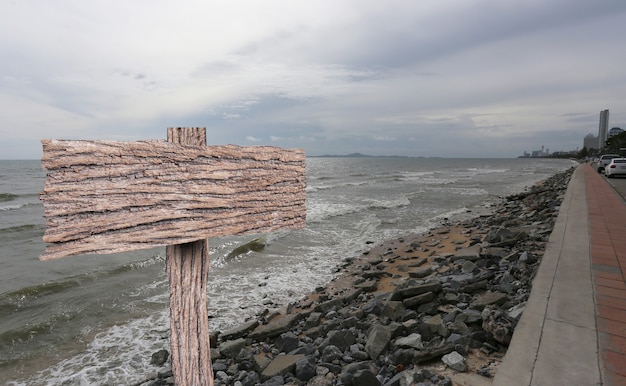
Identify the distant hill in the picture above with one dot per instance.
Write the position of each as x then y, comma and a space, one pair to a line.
355, 155
352, 155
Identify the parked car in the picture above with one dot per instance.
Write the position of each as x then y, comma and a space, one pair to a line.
605, 160
617, 166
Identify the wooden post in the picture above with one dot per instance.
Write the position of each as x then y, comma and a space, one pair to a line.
188, 274
109, 197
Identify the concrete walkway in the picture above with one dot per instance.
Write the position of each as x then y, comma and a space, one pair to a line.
573, 330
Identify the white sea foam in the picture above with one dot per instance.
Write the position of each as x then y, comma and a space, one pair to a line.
119, 355
349, 202
12, 207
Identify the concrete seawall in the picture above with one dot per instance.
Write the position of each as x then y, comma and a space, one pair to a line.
568, 335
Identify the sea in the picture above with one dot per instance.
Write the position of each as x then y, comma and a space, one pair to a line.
97, 319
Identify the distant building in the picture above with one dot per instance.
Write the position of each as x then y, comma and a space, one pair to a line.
614, 131
603, 128
591, 141
537, 153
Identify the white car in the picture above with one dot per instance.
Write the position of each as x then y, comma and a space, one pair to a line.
617, 166
604, 160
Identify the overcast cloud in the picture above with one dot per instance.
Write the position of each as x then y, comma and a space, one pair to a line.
460, 78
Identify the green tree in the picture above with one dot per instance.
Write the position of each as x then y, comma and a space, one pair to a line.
584, 152
614, 144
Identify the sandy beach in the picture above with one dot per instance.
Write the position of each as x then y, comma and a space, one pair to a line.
416, 255
438, 307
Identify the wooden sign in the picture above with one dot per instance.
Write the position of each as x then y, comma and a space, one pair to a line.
105, 197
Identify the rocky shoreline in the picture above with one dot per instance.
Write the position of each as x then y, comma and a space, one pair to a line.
432, 309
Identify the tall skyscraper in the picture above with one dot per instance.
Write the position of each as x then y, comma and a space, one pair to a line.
603, 128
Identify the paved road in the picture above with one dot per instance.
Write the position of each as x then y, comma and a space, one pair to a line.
618, 183
573, 329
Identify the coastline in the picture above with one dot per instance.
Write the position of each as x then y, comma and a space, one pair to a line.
465, 282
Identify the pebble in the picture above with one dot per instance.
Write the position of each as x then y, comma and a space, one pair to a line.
441, 312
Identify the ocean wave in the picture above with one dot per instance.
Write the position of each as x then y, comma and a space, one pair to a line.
23, 297
460, 191
96, 365
318, 212
19, 206
4, 197
389, 204
25, 332
486, 170
317, 188
10, 207
413, 176
20, 228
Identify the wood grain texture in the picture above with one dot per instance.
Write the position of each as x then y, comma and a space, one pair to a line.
108, 196
188, 274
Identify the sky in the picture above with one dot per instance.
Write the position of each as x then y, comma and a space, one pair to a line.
449, 78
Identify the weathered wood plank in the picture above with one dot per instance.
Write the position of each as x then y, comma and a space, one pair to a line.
188, 274
187, 271
108, 196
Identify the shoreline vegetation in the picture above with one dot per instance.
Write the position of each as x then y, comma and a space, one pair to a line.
438, 308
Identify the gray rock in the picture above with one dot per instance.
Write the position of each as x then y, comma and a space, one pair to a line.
498, 325
287, 342
261, 361
281, 365
410, 378
306, 368
245, 359
274, 328
159, 358
444, 310
430, 308
365, 378
377, 340
488, 299
432, 352
313, 320
374, 307
320, 380
470, 253
404, 356
393, 310
468, 267
342, 339
222, 376
418, 300
435, 325
232, 347
412, 288
469, 316
331, 353
367, 286
455, 361
420, 273
274, 381
326, 306
413, 341
355, 374
248, 378
240, 330
515, 312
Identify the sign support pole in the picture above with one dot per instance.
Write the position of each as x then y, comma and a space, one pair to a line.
187, 271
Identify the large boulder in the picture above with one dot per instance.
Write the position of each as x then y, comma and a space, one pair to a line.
377, 340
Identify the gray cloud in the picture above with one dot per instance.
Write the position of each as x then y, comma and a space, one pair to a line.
452, 77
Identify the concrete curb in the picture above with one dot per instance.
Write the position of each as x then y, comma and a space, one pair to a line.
556, 340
